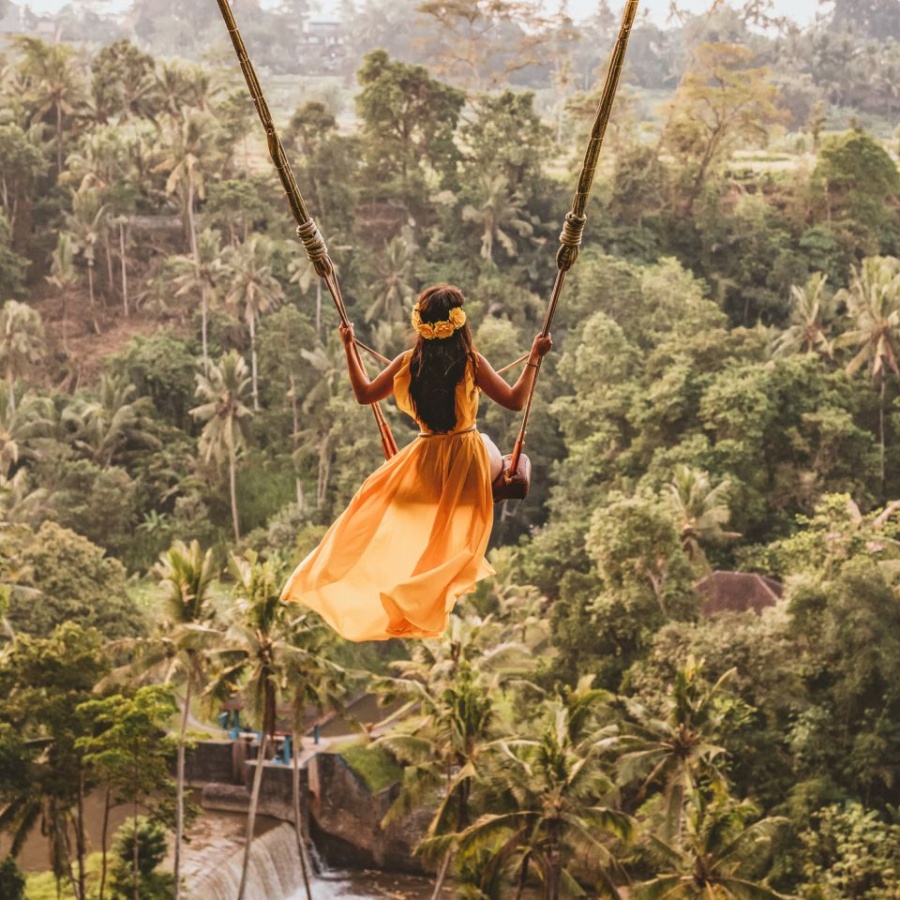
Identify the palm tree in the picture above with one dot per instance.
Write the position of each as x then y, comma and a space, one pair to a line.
19, 503
453, 685
717, 849
21, 343
254, 290
103, 163
315, 681
101, 160
102, 425
64, 277
319, 437
87, 224
261, 656
554, 786
20, 427
186, 573
810, 312
22, 163
673, 752
392, 288
521, 608
201, 275
54, 89
499, 211
188, 152
173, 88
226, 417
254, 642
873, 302
182, 89
701, 511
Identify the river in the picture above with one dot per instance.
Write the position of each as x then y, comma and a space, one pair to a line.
368, 886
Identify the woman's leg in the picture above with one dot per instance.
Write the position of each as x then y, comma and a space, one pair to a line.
495, 456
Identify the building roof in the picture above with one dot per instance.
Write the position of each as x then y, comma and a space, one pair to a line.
737, 592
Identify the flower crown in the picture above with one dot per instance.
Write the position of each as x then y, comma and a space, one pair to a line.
442, 329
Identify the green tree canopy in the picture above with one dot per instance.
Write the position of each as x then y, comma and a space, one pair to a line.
73, 581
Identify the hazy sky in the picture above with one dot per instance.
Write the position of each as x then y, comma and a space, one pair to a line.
802, 10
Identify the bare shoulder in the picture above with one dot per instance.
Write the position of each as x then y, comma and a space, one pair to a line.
397, 362
482, 362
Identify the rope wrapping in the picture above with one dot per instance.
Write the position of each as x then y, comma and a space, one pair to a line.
312, 240
570, 239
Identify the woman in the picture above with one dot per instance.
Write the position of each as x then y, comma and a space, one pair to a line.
413, 539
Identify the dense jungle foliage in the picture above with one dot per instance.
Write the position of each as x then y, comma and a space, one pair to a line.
177, 431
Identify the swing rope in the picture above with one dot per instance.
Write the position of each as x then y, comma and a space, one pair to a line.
570, 237
573, 227
307, 230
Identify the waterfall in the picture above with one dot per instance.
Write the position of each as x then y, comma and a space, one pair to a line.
274, 870
274, 874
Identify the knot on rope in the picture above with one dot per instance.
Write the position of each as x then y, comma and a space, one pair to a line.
570, 239
316, 250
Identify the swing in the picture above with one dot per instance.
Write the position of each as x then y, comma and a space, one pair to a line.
514, 480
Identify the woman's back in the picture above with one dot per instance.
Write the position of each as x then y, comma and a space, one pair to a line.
466, 396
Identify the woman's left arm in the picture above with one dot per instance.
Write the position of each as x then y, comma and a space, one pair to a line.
365, 390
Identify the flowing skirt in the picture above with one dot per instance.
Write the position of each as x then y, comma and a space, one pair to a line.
411, 542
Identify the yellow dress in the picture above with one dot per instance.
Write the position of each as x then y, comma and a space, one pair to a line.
412, 540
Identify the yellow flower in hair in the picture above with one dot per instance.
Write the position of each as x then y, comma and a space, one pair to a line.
442, 329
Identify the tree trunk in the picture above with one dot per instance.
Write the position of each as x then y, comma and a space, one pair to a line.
881, 434
442, 874
136, 860
232, 487
295, 421
552, 886
124, 267
59, 142
91, 298
179, 786
65, 323
11, 388
192, 228
104, 835
319, 308
10, 214
204, 327
323, 470
253, 364
80, 849
295, 795
251, 815
523, 876
110, 278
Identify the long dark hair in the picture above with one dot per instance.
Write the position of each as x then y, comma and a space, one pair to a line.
438, 365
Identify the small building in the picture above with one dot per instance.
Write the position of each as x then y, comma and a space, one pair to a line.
322, 45
737, 592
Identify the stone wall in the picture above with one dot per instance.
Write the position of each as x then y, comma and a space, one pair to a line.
345, 820
343, 817
212, 761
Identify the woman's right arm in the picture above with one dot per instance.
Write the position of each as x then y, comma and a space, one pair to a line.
512, 396
368, 390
